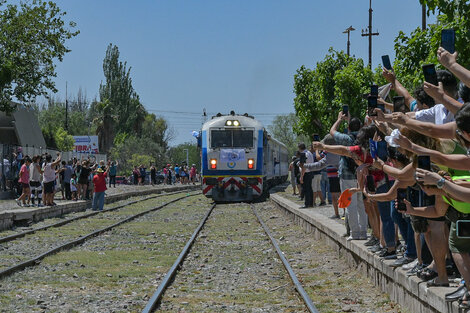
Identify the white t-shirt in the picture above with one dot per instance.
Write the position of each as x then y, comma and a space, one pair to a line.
438, 115
35, 174
49, 173
309, 159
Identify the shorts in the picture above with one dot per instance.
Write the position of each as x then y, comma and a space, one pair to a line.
177, 176
49, 187
334, 184
25, 186
316, 183
456, 244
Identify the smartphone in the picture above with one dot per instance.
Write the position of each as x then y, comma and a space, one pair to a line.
401, 195
373, 148
370, 183
371, 105
345, 109
448, 40
386, 62
382, 151
316, 137
463, 228
430, 75
424, 162
398, 104
374, 90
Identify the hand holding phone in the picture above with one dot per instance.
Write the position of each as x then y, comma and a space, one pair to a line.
448, 40
424, 162
371, 105
401, 195
386, 62
316, 137
430, 74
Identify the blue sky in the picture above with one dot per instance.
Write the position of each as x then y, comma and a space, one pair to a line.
220, 55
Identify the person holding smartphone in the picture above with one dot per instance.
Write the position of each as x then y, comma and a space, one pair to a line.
306, 177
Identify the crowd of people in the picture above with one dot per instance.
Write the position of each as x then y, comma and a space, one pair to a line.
403, 171
180, 174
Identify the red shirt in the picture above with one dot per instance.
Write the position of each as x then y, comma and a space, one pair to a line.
99, 180
378, 174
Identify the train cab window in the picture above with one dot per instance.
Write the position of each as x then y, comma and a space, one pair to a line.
221, 138
242, 138
235, 138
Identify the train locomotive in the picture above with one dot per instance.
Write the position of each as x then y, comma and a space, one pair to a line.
240, 160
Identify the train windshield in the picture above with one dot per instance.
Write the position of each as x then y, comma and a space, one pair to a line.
236, 138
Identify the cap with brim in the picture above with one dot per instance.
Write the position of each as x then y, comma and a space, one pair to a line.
100, 170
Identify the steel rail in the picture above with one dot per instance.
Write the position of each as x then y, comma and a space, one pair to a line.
62, 223
298, 286
36, 260
170, 275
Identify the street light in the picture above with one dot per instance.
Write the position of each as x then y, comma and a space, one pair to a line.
187, 156
348, 31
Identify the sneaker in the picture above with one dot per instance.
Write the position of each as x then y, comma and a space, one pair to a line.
410, 265
352, 238
322, 203
415, 269
402, 261
334, 217
388, 255
26, 205
375, 248
18, 202
371, 242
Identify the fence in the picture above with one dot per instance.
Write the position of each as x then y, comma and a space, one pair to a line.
10, 163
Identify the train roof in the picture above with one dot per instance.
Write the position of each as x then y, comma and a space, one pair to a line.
245, 120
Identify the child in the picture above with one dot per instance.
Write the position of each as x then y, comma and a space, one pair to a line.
73, 186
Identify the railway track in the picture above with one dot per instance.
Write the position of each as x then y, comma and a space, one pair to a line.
51, 238
66, 221
171, 275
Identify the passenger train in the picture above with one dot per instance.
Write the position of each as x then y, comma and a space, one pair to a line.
240, 160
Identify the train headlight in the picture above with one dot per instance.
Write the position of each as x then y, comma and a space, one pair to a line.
213, 164
251, 164
232, 123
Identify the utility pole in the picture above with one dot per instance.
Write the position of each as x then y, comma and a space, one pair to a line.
369, 33
423, 17
66, 109
348, 31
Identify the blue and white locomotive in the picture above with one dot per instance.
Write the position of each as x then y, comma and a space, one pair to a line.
240, 161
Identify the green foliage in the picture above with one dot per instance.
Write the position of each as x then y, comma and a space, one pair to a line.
139, 159
420, 46
177, 154
282, 128
321, 92
63, 140
128, 145
32, 37
124, 111
156, 129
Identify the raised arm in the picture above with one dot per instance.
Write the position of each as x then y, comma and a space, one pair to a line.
437, 210
428, 129
449, 61
455, 161
400, 90
341, 150
438, 94
341, 118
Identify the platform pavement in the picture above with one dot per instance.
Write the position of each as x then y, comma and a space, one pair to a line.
410, 292
11, 213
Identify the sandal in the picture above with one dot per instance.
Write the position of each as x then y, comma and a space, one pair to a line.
427, 274
465, 303
434, 283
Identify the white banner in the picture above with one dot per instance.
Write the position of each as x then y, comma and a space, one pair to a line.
86, 144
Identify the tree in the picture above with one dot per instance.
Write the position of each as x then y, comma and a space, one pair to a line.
321, 92
32, 37
156, 129
177, 154
124, 102
420, 46
63, 140
282, 128
105, 122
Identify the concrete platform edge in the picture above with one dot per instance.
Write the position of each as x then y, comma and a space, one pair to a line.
410, 292
9, 218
